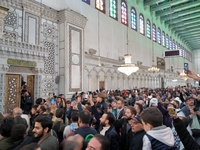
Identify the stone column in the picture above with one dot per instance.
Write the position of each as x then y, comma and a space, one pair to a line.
3, 14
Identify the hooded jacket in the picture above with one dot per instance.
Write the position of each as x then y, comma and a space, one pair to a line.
162, 133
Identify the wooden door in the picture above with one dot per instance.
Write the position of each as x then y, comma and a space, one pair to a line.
13, 92
101, 85
30, 86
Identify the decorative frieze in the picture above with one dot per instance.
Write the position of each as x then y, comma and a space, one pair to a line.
22, 50
72, 17
32, 7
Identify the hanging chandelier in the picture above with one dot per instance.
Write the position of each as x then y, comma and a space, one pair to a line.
128, 68
153, 69
183, 75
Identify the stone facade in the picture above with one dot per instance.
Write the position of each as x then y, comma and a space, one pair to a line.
55, 40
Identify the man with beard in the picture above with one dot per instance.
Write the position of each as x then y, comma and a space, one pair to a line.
43, 125
108, 130
124, 129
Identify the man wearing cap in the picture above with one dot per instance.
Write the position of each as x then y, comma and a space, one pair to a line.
138, 130
192, 116
153, 102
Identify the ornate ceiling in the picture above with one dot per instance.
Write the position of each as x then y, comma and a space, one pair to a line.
182, 16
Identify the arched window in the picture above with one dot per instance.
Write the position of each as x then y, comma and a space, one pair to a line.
124, 13
133, 19
159, 36
86, 1
170, 43
163, 38
167, 41
154, 32
148, 29
113, 9
174, 44
141, 24
100, 5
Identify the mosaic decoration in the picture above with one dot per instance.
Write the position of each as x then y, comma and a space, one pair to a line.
49, 30
50, 61
13, 25
10, 35
48, 85
11, 19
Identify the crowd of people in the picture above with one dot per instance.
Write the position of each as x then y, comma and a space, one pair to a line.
133, 119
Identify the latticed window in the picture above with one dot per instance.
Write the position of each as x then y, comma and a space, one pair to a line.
86, 1
154, 32
148, 29
133, 19
113, 9
124, 13
170, 43
167, 41
141, 24
159, 36
100, 5
163, 38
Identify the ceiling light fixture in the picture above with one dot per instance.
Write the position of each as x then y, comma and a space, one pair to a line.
128, 68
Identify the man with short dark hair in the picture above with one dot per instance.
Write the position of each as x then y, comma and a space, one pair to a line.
124, 129
84, 128
98, 142
157, 135
108, 130
43, 125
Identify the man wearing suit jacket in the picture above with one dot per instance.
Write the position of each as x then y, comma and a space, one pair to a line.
120, 108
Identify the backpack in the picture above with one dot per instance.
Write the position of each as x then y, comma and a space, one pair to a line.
157, 145
59, 127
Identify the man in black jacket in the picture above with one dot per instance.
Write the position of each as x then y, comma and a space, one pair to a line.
124, 129
108, 130
138, 130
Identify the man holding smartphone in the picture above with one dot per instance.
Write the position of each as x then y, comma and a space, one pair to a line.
193, 76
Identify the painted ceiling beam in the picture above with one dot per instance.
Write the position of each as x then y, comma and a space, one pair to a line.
187, 27
180, 19
179, 14
178, 8
188, 30
152, 2
167, 5
187, 22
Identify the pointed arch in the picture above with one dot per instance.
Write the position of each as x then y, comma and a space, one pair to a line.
133, 19
124, 18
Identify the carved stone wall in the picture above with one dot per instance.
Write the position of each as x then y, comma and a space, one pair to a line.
13, 24
49, 39
2, 91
